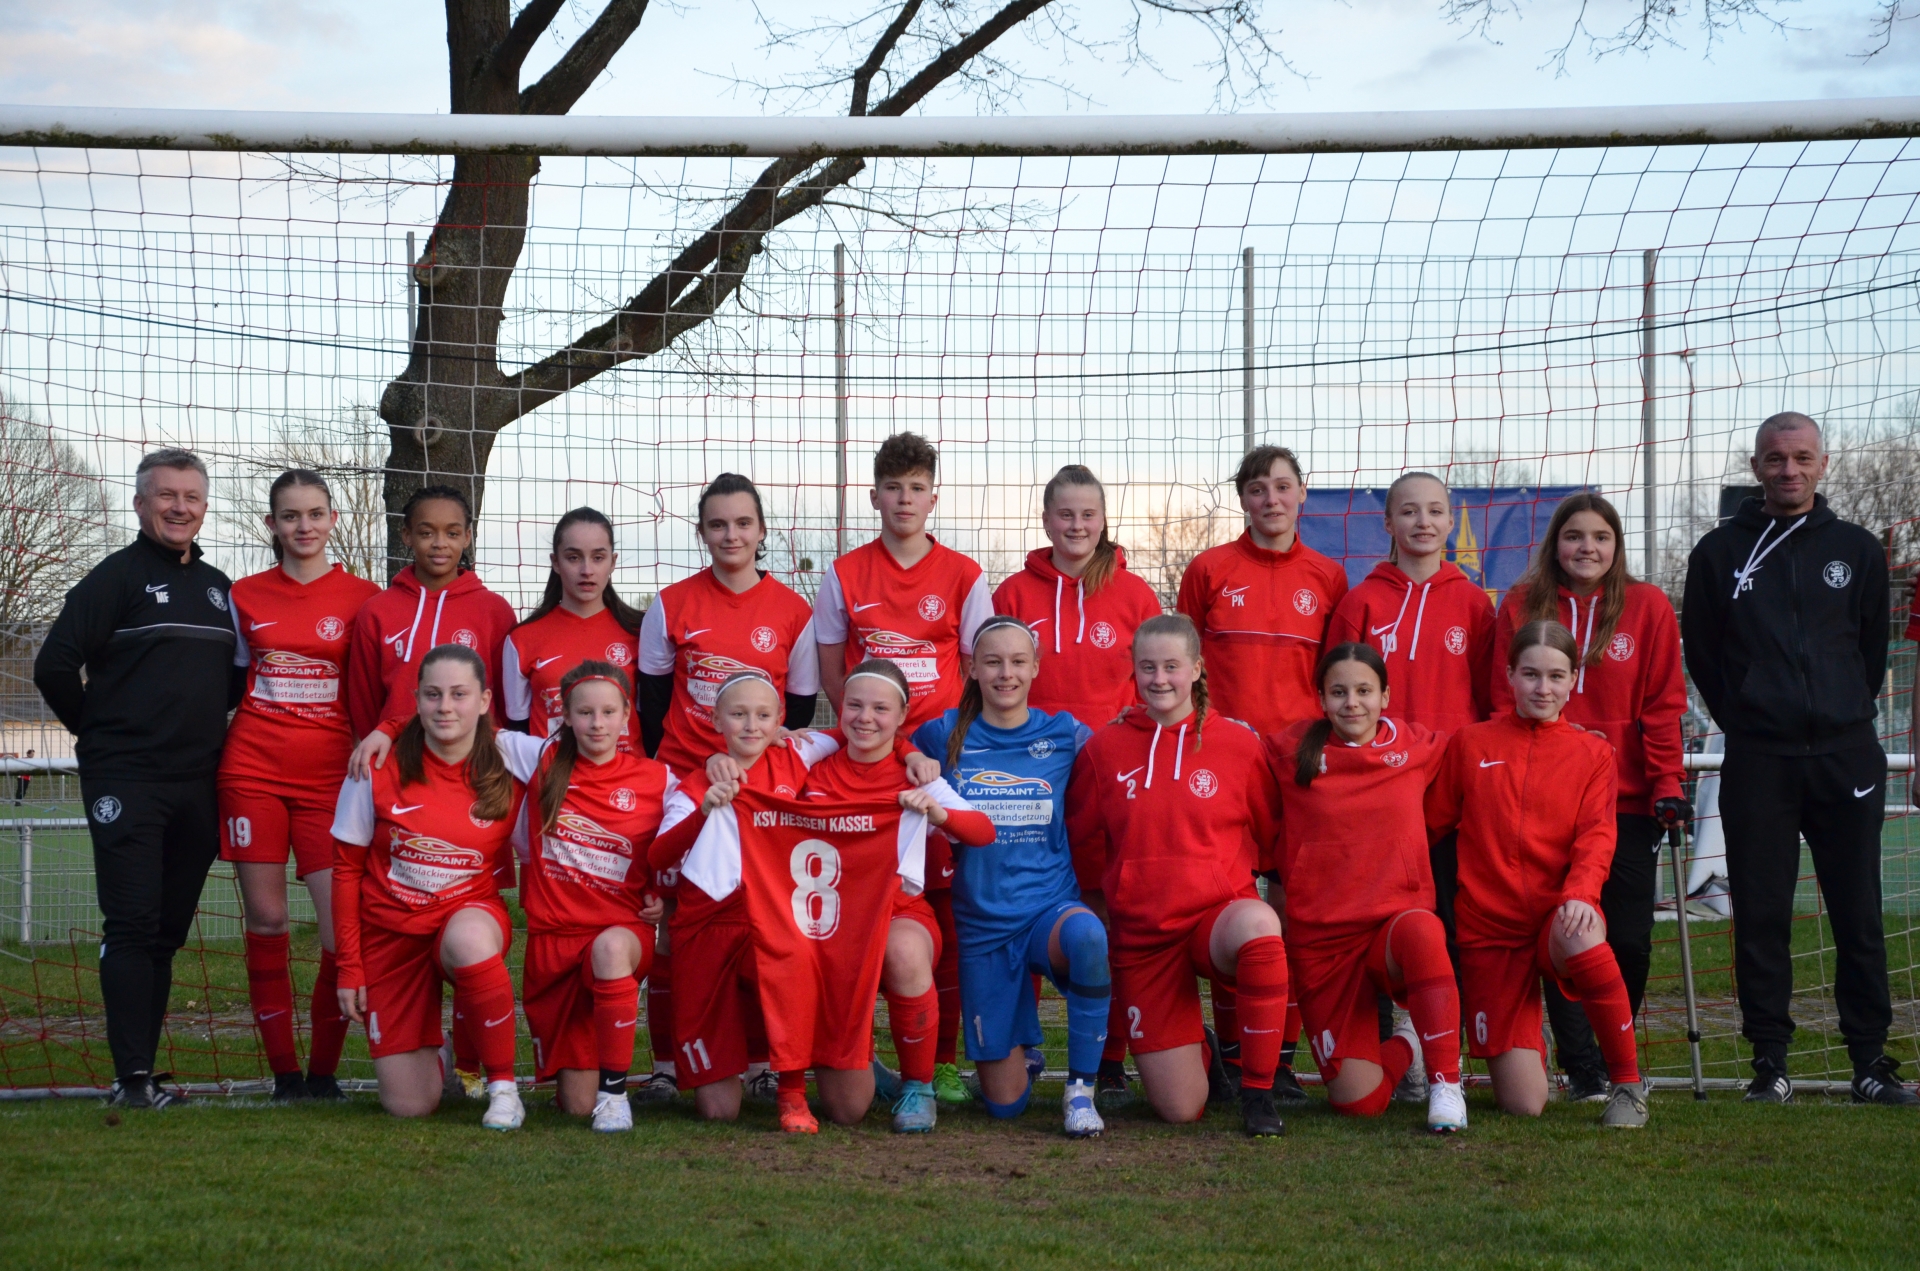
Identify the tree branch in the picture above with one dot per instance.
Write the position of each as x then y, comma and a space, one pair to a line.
958, 55
580, 65
864, 73
533, 20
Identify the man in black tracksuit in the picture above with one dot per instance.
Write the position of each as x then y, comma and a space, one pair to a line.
150, 625
1784, 628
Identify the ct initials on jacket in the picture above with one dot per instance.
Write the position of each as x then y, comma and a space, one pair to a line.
1534, 804
1632, 697
1436, 638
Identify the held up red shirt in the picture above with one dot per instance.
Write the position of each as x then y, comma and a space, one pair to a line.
1632, 698
535, 655
1436, 638
1169, 822
1086, 640
1534, 806
294, 640
401, 625
1263, 621
841, 778
1353, 845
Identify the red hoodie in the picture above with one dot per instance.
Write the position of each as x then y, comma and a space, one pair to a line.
1534, 806
1353, 847
1436, 638
1263, 621
1169, 824
398, 627
1633, 697
1086, 640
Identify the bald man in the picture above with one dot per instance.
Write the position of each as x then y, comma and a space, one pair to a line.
1784, 629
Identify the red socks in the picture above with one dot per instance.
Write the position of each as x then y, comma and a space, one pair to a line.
1260, 990
329, 1022
270, 990
616, 1009
794, 1082
1419, 946
483, 993
946, 978
1603, 993
660, 1011
913, 1022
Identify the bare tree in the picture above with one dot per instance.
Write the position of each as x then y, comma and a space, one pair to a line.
1168, 542
1874, 479
56, 518
447, 407
347, 452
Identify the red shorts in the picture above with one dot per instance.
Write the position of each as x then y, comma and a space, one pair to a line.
919, 909
262, 823
1335, 984
403, 984
716, 1003
556, 992
1156, 990
1500, 994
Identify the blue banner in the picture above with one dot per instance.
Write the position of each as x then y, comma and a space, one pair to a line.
1494, 530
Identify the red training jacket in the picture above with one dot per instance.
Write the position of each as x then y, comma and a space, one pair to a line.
1436, 638
1086, 639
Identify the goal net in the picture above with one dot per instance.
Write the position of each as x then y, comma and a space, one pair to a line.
1524, 322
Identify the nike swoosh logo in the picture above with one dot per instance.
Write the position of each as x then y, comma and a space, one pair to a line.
946, 871
702, 631
1491, 763
628, 1023
397, 810
153, 587
255, 626
967, 750
1433, 1037
1861, 794
267, 1015
1245, 1029
1128, 775
872, 605
540, 662
495, 1023
913, 1041
1383, 630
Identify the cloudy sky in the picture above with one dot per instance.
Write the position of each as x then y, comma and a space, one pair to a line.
1362, 54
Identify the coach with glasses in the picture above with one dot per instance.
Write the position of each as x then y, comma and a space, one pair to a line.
151, 630
1784, 629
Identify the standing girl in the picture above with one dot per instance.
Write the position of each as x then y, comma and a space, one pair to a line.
1016, 904
1358, 895
1532, 797
293, 621
1629, 691
1081, 603
1168, 837
416, 852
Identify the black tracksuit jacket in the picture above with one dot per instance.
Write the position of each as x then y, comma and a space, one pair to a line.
1784, 627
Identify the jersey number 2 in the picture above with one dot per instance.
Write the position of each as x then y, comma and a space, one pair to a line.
1133, 1022
816, 905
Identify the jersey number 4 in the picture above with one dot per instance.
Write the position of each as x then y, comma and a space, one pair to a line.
816, 905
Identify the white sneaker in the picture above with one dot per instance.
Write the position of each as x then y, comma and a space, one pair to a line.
612, 1113
1446, 1108
1413, 1086
504, 1109
1083, 1119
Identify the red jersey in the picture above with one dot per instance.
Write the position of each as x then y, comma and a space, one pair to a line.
1436, 638
1353, 844
1168, 823
1534, 806
920, 619
842, 778
294, 643
536, 654
401, 625
406, 857
1263, 621
1086, 640
589, 872
1632, 698
700, 632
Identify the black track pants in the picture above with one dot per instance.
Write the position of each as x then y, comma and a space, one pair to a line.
1838, 802
153, 842
1626, 902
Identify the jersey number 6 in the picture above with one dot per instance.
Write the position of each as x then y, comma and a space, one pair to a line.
816, 905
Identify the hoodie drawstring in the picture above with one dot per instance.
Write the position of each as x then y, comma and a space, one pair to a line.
1079, 634
414, 630
1058, 581
1754, 557
1153, 748
438, 608
1392, 641
1414, 649
1586, 641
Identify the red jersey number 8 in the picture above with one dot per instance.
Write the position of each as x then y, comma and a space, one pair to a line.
816, 905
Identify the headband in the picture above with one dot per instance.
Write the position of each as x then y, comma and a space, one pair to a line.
755, 676
876, 675
604, 679
1006, 620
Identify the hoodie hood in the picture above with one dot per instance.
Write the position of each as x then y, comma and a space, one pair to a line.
1040, 564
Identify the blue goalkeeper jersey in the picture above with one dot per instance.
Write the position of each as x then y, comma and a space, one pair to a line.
1018, 777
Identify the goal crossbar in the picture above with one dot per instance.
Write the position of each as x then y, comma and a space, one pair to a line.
691, 136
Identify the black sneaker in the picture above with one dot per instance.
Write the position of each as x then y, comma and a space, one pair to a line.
131, 1092
289, 1087
325, 1087
1769, 1085
1220, 1084
1879, 1082
1258, 1114
656, 1087
1587, 1087
1287, 1090
1110, 1087
163, 1097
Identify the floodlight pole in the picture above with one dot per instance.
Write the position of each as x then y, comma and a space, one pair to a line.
1647, 314
840, 399
1246, 350
413, 290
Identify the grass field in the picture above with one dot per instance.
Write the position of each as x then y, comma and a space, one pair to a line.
236, 1182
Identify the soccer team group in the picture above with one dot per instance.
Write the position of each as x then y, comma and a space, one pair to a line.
1387, 814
